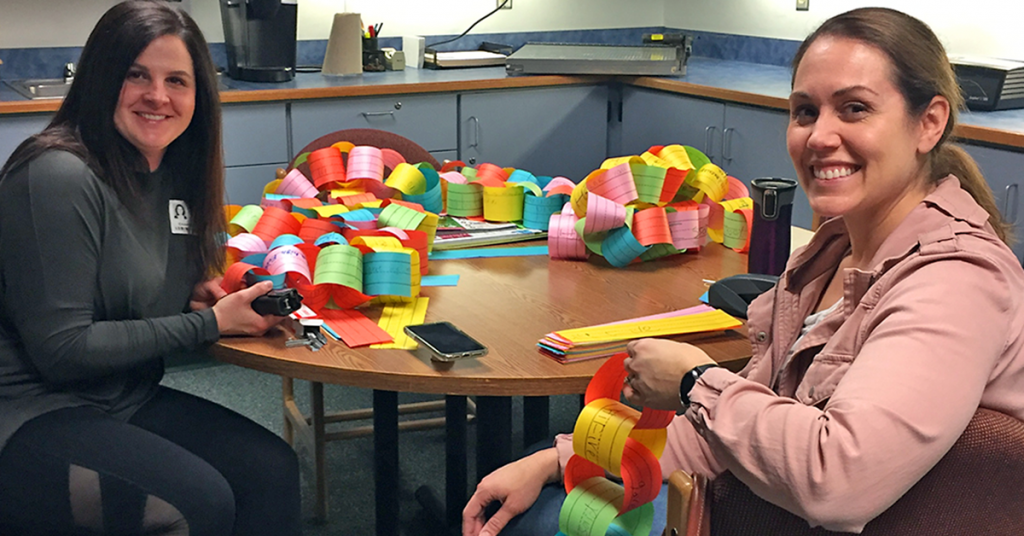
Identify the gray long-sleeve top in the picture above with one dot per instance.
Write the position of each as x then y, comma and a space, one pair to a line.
92, 296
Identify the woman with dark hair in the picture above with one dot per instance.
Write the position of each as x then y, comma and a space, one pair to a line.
884, 335
109, 252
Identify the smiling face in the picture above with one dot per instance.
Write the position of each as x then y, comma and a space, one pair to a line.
158, 98
857, 151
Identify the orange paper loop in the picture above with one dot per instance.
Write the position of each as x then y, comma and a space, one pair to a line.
650, 226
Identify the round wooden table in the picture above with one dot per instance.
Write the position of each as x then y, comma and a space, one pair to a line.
508, 304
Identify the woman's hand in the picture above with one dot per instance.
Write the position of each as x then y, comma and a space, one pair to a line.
206, 294
516, 486
235, 315
655, 367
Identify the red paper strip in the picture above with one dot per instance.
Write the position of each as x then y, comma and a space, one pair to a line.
579, 469
607, 381
354, 328
639, 468
234, 276
275, 222
312, 228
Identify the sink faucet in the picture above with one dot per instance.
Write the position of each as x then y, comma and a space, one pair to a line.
69, 72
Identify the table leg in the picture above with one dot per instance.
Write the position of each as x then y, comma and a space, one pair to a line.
536, 419
385, 457
319, 448
455, 462
493, 433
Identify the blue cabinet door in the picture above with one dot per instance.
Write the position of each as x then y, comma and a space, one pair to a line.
754, 145
14, 128
243, 185
1002, 169
546, 131
747, 142
255, 134
651, 117
428, 120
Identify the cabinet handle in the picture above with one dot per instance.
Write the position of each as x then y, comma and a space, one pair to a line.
727, 144
476, 132
1006, 204
707, 140
368, 115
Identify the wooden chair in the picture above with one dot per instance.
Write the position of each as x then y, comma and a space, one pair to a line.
975, 489
311, 431
412, 152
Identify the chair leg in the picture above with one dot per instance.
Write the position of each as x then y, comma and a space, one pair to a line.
311, 432
288, 395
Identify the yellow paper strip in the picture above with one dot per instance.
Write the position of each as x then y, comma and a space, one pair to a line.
709, 321
396, 316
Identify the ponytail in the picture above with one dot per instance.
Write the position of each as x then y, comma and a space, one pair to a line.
950, 159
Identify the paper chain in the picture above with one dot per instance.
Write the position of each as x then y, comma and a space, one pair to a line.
611, 437
638, 207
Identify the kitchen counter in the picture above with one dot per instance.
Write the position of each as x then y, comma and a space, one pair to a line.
731, 81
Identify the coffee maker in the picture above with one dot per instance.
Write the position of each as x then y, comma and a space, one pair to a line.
259, 36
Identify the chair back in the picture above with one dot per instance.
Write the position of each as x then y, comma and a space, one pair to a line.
974, 489
382, 139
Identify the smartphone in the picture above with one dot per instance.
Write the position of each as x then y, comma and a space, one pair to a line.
445, 341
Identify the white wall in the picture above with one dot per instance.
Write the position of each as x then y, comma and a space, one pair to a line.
979, 27
50, 23
985, 27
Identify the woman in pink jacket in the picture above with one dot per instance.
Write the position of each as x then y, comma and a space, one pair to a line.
885, 333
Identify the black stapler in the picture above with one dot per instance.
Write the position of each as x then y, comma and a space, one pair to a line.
733, 294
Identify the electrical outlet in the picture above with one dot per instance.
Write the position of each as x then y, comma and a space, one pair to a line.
504, 4
803, 5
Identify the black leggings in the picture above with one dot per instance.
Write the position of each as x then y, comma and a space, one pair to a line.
181, 465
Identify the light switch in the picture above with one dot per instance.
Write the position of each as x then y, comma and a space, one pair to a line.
803, 5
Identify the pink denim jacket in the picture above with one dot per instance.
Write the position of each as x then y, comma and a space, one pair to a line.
880, 389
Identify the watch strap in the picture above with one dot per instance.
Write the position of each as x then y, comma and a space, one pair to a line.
689, 380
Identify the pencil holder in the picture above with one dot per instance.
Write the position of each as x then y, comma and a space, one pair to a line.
373, 56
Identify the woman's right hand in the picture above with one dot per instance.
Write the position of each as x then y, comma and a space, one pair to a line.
516, 486
235, 315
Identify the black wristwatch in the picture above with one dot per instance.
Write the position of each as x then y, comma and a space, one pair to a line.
689, 380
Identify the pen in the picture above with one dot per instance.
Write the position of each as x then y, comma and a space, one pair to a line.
378, 27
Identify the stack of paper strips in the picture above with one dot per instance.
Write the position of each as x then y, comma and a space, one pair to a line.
456, 233
570, 345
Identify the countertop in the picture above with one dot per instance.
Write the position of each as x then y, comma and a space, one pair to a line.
730, 81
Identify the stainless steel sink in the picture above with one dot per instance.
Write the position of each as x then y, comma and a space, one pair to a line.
57, 88
40, 88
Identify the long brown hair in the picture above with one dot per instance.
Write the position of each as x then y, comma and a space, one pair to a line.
84, 124
921, 71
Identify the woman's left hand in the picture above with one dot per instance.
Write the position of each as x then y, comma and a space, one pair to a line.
205, 294
654, 369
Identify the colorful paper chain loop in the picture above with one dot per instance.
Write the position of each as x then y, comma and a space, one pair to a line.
611, 437
644, 207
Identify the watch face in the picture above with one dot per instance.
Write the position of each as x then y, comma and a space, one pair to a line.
689, 380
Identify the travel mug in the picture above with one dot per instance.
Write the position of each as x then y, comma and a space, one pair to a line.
773, 214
